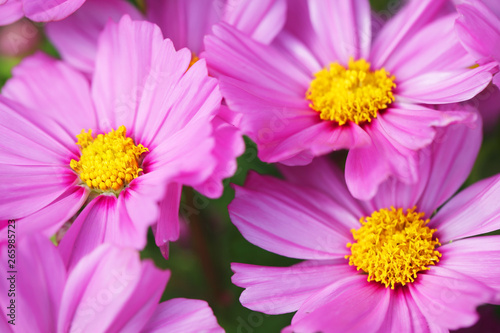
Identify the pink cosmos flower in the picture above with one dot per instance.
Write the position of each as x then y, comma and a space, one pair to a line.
37, 10
143, 127
326, 83
185, 22
396, 271
19, 39
109, 290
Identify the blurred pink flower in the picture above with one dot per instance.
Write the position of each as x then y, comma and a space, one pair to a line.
19, 38
311, 216
478, 28
163, 114
37, 10
325, 84
108, 290
185, 22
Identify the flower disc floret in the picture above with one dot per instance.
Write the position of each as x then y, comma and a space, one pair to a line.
108, 162
350, 94
393, 246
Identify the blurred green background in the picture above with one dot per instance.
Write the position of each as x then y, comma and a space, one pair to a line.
200, 260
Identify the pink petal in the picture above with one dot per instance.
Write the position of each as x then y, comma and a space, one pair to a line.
4, 325
368, 166
324, 175
404, 316
26, 141
291, 220
300, 39
453, 149
54, 10
181, 315
435, 47
10, 11
166, 108
167, 228
492, 5
106, 219
88, 230
393, 192
172, 101
473, 211
496, 80
451, 156
477, 257
229, 52
111, 289
31, 188
55, 92
228, 145
52, 217
34, 164
266, 114
173, 116
77, 46
185, 22
262, 20
141, 202
449, 299
186, 157
120, 77
143, 303
446, 86
277, 290
316, 139
342, 27
298, 51
40, 297
363, 164
415, 126
350, 305
479, 30
402, 27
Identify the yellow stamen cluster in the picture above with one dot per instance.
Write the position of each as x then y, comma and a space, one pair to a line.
109, 161
393, 246
354, 94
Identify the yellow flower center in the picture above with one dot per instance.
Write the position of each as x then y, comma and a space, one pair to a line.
392, 247
109, 161
354, 94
